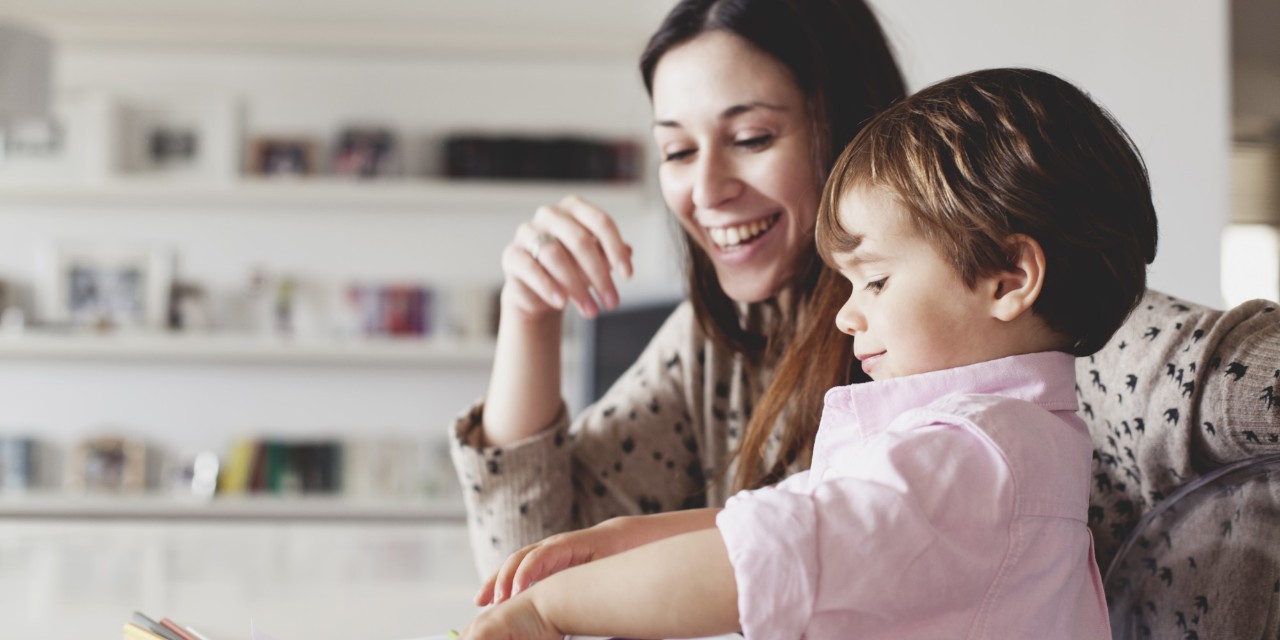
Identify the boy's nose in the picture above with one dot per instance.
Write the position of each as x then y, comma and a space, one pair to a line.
849, 320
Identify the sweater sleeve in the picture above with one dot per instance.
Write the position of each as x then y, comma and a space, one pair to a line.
629, 453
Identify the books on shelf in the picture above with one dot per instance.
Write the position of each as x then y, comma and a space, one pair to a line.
381, 469
142, 627
363, 468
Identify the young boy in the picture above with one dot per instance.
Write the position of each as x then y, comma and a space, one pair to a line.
994, 227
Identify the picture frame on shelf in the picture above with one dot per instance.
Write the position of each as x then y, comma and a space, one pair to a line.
105, 286
188, 136
282, 156
366, 152
111, 464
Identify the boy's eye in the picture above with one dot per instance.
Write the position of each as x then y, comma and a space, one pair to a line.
755, 142
877, 286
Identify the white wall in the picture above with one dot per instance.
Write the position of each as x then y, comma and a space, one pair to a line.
1160, 67
421, 95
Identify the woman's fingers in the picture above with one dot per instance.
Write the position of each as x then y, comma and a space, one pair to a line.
567, 252
575, 259
605, 231
544, 561
589, 235
506, 573
538, 289
484, 597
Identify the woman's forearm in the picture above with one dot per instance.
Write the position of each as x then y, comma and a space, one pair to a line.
524, 388
678, 587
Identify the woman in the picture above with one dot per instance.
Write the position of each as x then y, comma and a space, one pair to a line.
752, 99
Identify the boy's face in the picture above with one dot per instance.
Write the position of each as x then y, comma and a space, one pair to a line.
909, 312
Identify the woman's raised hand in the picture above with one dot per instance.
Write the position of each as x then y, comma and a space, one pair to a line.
568, 252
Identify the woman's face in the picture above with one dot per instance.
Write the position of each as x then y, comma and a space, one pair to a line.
737, 160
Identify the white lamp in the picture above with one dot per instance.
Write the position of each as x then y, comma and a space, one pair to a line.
26, 72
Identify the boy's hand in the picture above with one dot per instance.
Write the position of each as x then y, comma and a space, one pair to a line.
516, 619
552, 555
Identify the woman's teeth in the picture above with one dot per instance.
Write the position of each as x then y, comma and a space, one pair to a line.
740, 234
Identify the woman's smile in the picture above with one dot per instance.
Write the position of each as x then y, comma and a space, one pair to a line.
736, 237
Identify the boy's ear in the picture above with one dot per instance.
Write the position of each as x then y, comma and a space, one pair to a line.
1016, 289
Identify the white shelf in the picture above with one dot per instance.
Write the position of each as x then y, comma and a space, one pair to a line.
421, 194
242, 349
247, 508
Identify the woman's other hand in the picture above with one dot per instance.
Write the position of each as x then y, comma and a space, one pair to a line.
552, 555
517, 619
570, 251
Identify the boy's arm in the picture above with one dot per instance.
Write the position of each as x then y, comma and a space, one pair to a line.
680, 586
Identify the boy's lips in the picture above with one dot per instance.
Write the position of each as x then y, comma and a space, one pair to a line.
868, 360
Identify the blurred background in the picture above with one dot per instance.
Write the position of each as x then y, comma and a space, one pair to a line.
249, 254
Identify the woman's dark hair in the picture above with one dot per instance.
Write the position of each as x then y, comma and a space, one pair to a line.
841, 60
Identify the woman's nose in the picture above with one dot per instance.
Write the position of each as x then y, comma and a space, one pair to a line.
716, 182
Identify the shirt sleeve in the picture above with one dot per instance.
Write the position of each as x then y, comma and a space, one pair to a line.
895, 525
629, 453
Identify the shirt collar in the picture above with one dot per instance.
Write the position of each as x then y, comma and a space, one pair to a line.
1046, 379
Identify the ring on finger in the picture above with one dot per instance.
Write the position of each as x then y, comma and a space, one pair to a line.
535, 247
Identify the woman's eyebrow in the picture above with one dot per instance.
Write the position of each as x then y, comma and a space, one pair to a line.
731, 112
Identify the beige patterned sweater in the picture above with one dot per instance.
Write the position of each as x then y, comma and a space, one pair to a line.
656, 441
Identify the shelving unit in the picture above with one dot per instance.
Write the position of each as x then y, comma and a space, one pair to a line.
209, 348
420, 194
59, 506
244, 349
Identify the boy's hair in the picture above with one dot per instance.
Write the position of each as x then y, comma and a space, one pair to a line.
985, 155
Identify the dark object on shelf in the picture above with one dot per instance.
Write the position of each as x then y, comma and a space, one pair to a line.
170, 146
559, 158
282, 156
366, 153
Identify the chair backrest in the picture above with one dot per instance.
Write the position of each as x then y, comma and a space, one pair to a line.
1204, 562
1180, 391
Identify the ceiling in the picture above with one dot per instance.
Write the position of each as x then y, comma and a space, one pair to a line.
592, 26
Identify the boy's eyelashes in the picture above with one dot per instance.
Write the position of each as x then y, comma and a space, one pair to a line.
755, 142
876, 286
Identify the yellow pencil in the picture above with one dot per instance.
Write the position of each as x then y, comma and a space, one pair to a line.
134, 632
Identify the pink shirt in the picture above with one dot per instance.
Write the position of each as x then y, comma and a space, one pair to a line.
949, 504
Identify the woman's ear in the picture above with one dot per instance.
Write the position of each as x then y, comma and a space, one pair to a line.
1017, 288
